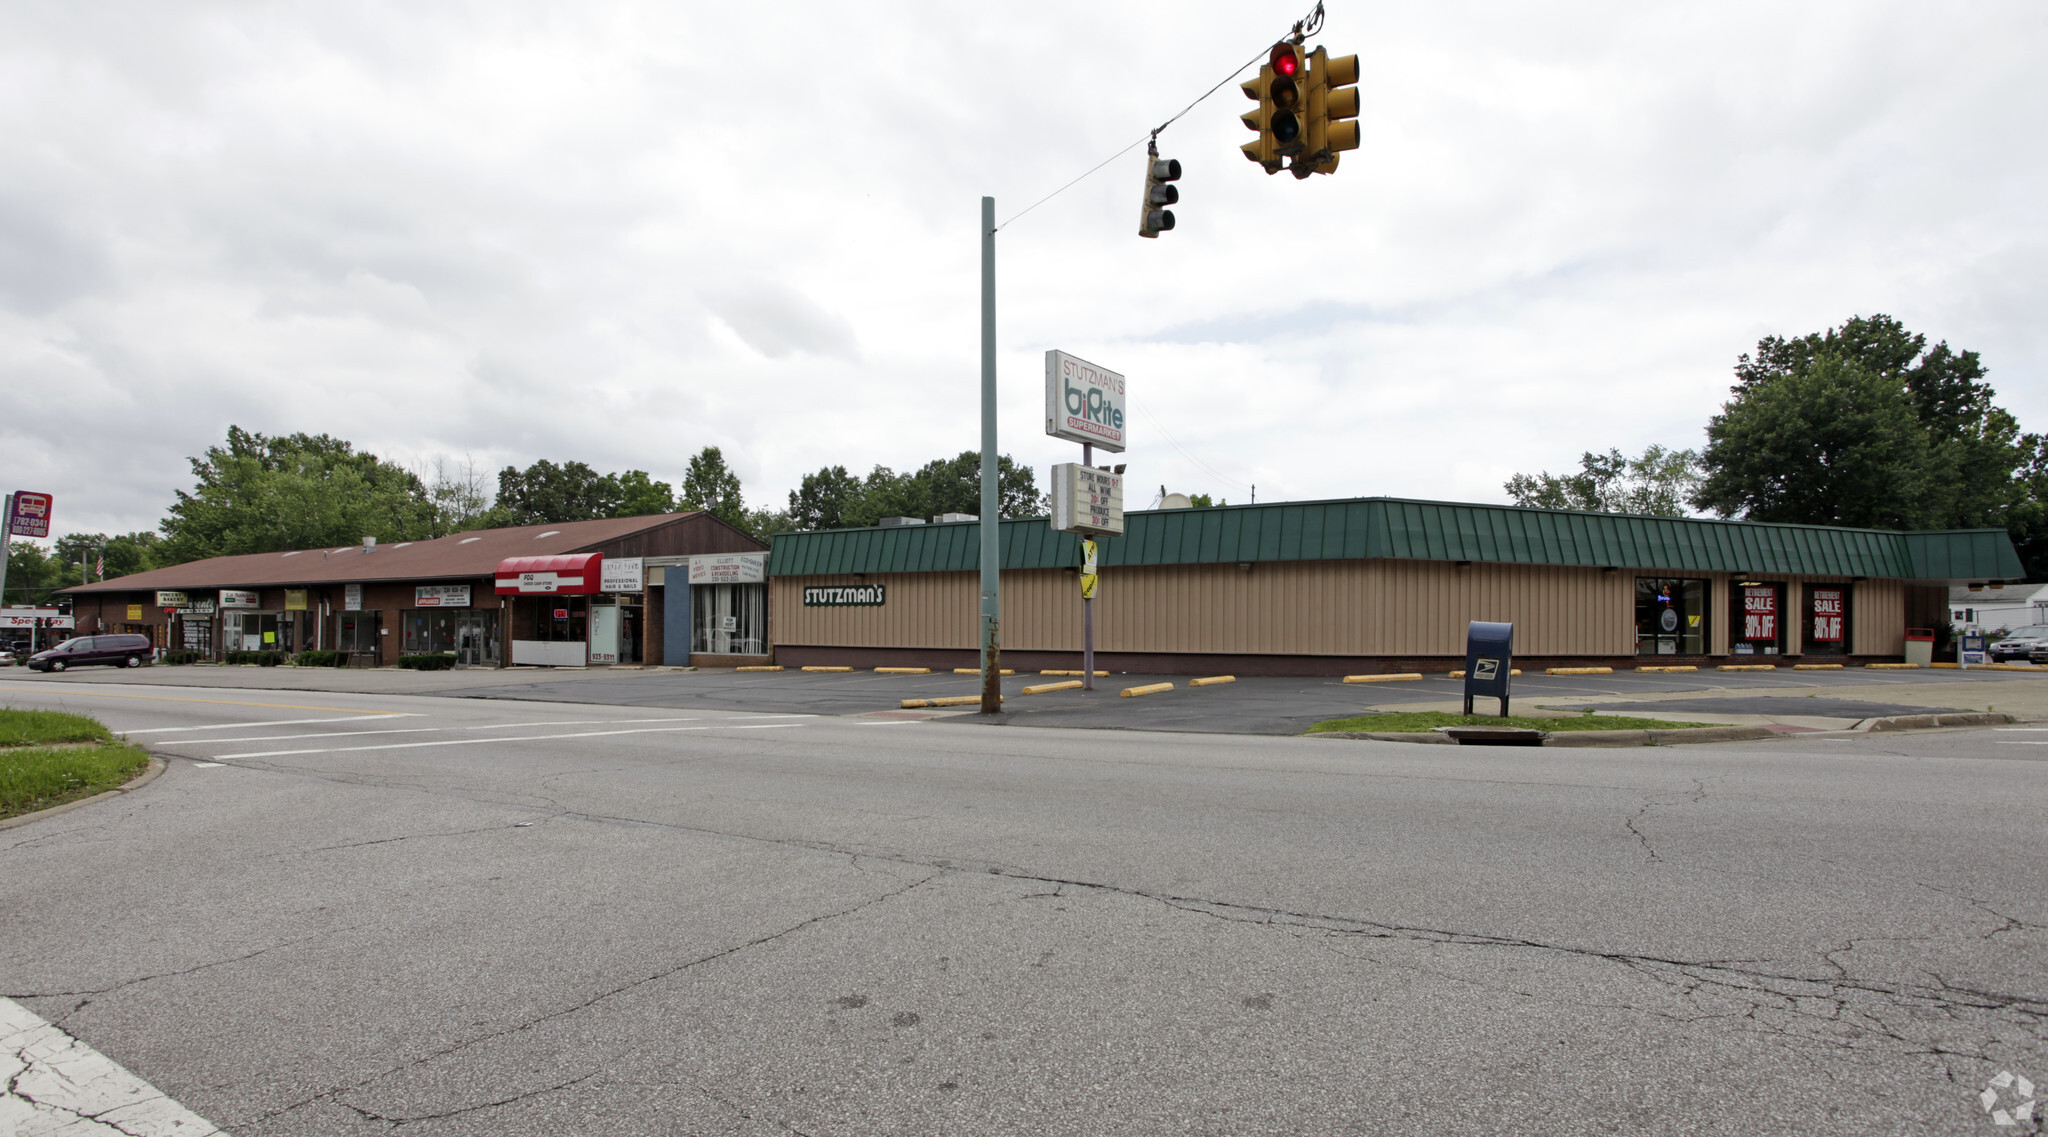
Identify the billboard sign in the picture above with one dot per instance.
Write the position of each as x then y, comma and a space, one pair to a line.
1087, 500
30, 516
621, 574
728, 568
440, 596
1083, 402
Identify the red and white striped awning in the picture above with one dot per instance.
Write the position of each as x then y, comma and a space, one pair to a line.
566, 573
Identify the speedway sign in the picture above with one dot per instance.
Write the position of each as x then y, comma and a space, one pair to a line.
1084, 403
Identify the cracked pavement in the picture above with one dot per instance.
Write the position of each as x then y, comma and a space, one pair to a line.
831, 926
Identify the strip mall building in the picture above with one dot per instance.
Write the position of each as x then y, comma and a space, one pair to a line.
1300, 588
1376, 584
671, 588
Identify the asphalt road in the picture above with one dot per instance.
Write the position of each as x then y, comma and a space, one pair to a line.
344, 913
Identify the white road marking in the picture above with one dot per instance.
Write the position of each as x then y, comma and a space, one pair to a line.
423, 730
896, 722
54, 1084
2022, 729
480, 741
207, 765
279, 722
2021, 742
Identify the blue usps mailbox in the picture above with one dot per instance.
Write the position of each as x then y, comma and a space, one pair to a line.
1489, 662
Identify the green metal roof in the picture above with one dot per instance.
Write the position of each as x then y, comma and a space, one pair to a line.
1418, 530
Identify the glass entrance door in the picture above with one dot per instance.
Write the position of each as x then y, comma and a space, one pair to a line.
476, 638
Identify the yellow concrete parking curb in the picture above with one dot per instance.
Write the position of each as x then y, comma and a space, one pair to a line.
903, 671
1816, 667
1392, 677
1578, 671
1746, 667
776, 667
1147, 689
977, 671
1460, 674
828, 669
1891, 667
1098, 675
947, 701
1672, 667
1042, 688
1212, 680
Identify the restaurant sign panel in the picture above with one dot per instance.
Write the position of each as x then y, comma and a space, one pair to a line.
440, 596
238, 598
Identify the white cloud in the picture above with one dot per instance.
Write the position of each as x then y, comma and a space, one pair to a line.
618, 234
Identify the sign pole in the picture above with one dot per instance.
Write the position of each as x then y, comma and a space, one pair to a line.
6, 539
991, 523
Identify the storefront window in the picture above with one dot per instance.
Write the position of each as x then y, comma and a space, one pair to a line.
259, 631
357, 633
1827, 619
1757, 619
1671, 616
729, 619
561, 619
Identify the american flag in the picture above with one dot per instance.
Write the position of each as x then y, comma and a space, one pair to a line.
100, 566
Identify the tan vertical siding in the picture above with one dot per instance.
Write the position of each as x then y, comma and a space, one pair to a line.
1877, 617
923, 609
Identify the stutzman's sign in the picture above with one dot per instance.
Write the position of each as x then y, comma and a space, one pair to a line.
30, 516
1083, 402
1086, 500
728, 568
237, 598
845, 596
622, 574
440, 596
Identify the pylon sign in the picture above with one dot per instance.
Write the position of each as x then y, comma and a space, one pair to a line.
1083, 402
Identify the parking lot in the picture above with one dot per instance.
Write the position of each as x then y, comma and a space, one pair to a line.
1291, 704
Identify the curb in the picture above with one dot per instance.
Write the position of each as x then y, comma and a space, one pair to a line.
149, 774
1923, 722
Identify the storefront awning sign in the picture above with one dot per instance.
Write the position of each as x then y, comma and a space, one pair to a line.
169, 599
623, 574
572, 573
441, 596
238, 598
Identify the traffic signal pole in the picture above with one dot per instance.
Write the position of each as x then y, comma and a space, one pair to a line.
991, 522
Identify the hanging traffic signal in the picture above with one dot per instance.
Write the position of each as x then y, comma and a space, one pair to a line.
1153, 216
1278, 91
1332, 104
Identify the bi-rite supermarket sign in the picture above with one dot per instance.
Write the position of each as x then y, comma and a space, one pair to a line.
1083, 402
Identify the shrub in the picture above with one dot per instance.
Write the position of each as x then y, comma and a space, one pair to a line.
320, 659
182, 656
259, 658
440, 661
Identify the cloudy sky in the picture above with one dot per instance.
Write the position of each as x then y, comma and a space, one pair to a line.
620, 232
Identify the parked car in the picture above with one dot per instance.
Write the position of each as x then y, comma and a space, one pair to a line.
7, 657
2017, 643
120, 650
2039, 654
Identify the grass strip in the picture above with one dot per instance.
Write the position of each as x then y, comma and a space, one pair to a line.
41, 728
33, 778
1416, 722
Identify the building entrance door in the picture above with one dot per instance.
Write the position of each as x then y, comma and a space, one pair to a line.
476, 638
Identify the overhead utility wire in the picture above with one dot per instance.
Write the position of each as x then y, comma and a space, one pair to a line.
1309, 26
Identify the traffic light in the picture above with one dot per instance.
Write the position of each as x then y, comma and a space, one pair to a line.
1278, 91
1332, 104
1153, 216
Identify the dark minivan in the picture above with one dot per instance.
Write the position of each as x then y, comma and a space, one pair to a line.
115, 651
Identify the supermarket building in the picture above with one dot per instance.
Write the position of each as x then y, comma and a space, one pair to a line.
1376, 584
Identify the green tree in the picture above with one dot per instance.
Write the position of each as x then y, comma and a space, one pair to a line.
461, 496
825, 499
1657, 482
2028, 522
259, 494
1963, 477
32, 576
545, 493
1831, 444
640, 495
710, 485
